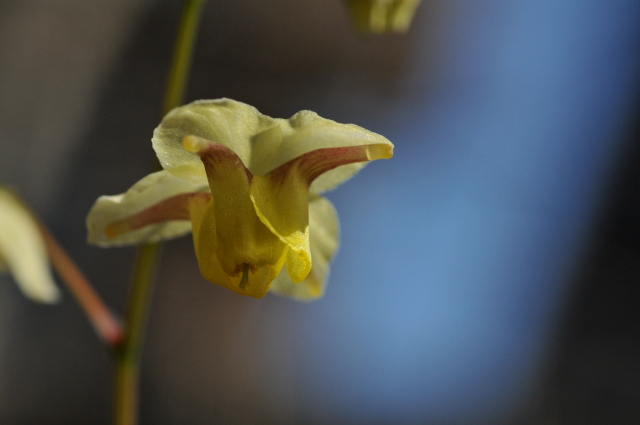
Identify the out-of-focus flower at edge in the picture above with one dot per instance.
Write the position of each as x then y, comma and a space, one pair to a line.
23, 252
381, 16
248, 186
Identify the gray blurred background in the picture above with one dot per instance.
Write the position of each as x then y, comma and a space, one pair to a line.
487, 273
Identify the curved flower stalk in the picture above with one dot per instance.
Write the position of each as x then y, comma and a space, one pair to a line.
381, 16
26, 250
248, 187
23, 252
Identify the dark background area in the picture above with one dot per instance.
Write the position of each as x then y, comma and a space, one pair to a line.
592, 373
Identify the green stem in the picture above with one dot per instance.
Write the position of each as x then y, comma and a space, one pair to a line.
128, 354
182, 54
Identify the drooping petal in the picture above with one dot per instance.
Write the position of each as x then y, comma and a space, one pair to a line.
324, 237
23, 252
281, 197
174, 208
231, 239
107, 220
307, 132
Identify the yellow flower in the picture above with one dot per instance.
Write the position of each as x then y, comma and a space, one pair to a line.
382, 15
22, 251
248, 187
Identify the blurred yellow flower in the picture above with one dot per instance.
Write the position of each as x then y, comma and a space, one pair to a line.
248, 187
382, 15
22, 250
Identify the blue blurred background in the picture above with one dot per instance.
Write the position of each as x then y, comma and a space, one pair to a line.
486, 273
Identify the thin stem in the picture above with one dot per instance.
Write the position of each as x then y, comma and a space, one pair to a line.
129, 353
103, 321
182, 54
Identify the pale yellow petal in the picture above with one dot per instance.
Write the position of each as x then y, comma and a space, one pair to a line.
264, 148
147, 192
224, 121
324, 237
306, 131
23, 252
261, 142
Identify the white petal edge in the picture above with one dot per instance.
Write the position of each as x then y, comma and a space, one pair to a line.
147, 192
23, 252
324, 240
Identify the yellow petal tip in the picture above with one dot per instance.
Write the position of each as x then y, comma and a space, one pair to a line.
379, 151
194, 144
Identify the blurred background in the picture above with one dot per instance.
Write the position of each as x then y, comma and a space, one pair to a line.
487, 273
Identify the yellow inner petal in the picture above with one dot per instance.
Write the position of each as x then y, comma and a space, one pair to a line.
234, 248
281, 197
282, 203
